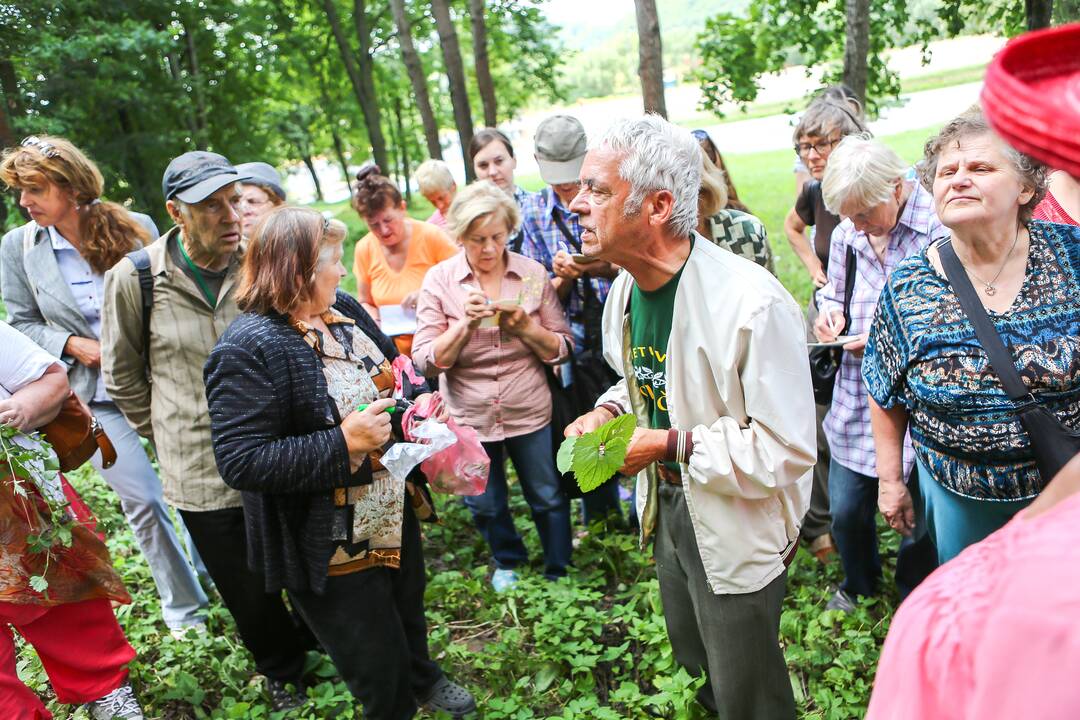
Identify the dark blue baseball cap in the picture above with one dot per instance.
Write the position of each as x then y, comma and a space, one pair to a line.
196, 175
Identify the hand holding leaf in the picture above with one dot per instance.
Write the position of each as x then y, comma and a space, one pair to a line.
596, 456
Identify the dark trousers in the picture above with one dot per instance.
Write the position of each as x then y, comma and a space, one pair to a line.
373, 627
734, 639
262, 619
602, 503
818, 520
853, 498
532, 458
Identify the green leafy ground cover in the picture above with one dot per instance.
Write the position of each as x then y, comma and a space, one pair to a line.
589, 647
592, 647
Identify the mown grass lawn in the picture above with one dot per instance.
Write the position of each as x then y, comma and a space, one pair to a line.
591, 647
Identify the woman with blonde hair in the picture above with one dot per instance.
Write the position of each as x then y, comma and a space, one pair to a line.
734, 230
52, 277
489, 320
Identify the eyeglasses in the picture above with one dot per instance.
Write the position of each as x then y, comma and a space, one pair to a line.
823, 147
46, 149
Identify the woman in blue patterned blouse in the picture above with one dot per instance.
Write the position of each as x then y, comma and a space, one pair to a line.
924, 367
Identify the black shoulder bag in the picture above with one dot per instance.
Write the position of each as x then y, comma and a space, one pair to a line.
825, 361
1052, 443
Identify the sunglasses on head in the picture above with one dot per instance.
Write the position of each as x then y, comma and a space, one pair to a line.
45, 148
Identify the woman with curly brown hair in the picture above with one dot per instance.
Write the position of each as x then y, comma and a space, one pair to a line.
391, 260
52, 273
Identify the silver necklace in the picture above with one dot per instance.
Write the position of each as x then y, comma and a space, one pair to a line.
988, 287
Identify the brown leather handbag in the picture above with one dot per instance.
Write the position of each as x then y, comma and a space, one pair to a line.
75, 435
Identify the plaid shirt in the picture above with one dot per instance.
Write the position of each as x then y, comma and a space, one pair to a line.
847, 425
543, 239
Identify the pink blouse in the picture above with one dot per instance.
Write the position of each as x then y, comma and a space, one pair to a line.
993, 634
498, 385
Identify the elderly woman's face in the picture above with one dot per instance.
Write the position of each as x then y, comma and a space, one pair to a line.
388, 224
255, 202
878, 220
975, 183
328, 276
485, 242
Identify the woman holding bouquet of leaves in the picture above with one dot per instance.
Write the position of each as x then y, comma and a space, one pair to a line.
488, 321
57, 596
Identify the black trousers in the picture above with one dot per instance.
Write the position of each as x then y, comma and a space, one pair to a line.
372, 625
262, 619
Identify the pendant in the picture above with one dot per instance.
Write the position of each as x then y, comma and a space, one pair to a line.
989, 289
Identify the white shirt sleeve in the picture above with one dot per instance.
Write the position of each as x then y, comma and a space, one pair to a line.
21, 361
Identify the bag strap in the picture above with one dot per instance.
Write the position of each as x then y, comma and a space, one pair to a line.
849, 283
141, 259
1001, 360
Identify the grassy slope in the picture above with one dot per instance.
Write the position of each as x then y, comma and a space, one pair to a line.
592, 648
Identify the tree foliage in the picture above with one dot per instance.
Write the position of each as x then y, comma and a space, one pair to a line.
737, 50
135, 83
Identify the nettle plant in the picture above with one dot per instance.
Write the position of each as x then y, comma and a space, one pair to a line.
33, 473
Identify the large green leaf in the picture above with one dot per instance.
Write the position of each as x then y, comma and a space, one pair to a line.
598, 455
565, 457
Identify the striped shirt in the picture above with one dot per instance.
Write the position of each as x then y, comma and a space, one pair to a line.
847, 424
497, 385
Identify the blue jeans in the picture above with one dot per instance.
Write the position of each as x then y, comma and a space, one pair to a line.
853, 504
134, 481
532, 458
956, 521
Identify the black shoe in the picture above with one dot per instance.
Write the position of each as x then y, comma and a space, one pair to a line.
449, 697
281, 697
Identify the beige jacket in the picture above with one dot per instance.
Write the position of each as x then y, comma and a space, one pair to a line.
171, 410
737, 377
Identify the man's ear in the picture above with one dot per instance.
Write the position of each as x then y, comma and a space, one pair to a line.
174, 212
658, 207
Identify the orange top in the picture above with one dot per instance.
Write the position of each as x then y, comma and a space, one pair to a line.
428, 245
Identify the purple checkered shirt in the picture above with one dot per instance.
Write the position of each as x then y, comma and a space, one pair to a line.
543, 239
847, 425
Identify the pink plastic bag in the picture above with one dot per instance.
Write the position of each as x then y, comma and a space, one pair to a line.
459, 470
462, 468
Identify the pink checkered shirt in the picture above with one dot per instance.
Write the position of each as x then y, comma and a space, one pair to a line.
498, 385
847, 425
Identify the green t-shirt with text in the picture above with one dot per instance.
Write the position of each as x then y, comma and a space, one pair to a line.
650, 328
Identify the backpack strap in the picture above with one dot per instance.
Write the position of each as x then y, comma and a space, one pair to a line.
141, 259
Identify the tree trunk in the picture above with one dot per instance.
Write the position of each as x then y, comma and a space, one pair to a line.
351, 70
339, 151
403, 149
455, 71
857, 47
306, 156
372, 115
415, 69
484, 82
1038, 13
9, 89
650, 57
196, 91
144, 188
177, 74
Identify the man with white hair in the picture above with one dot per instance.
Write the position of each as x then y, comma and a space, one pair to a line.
725, 440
